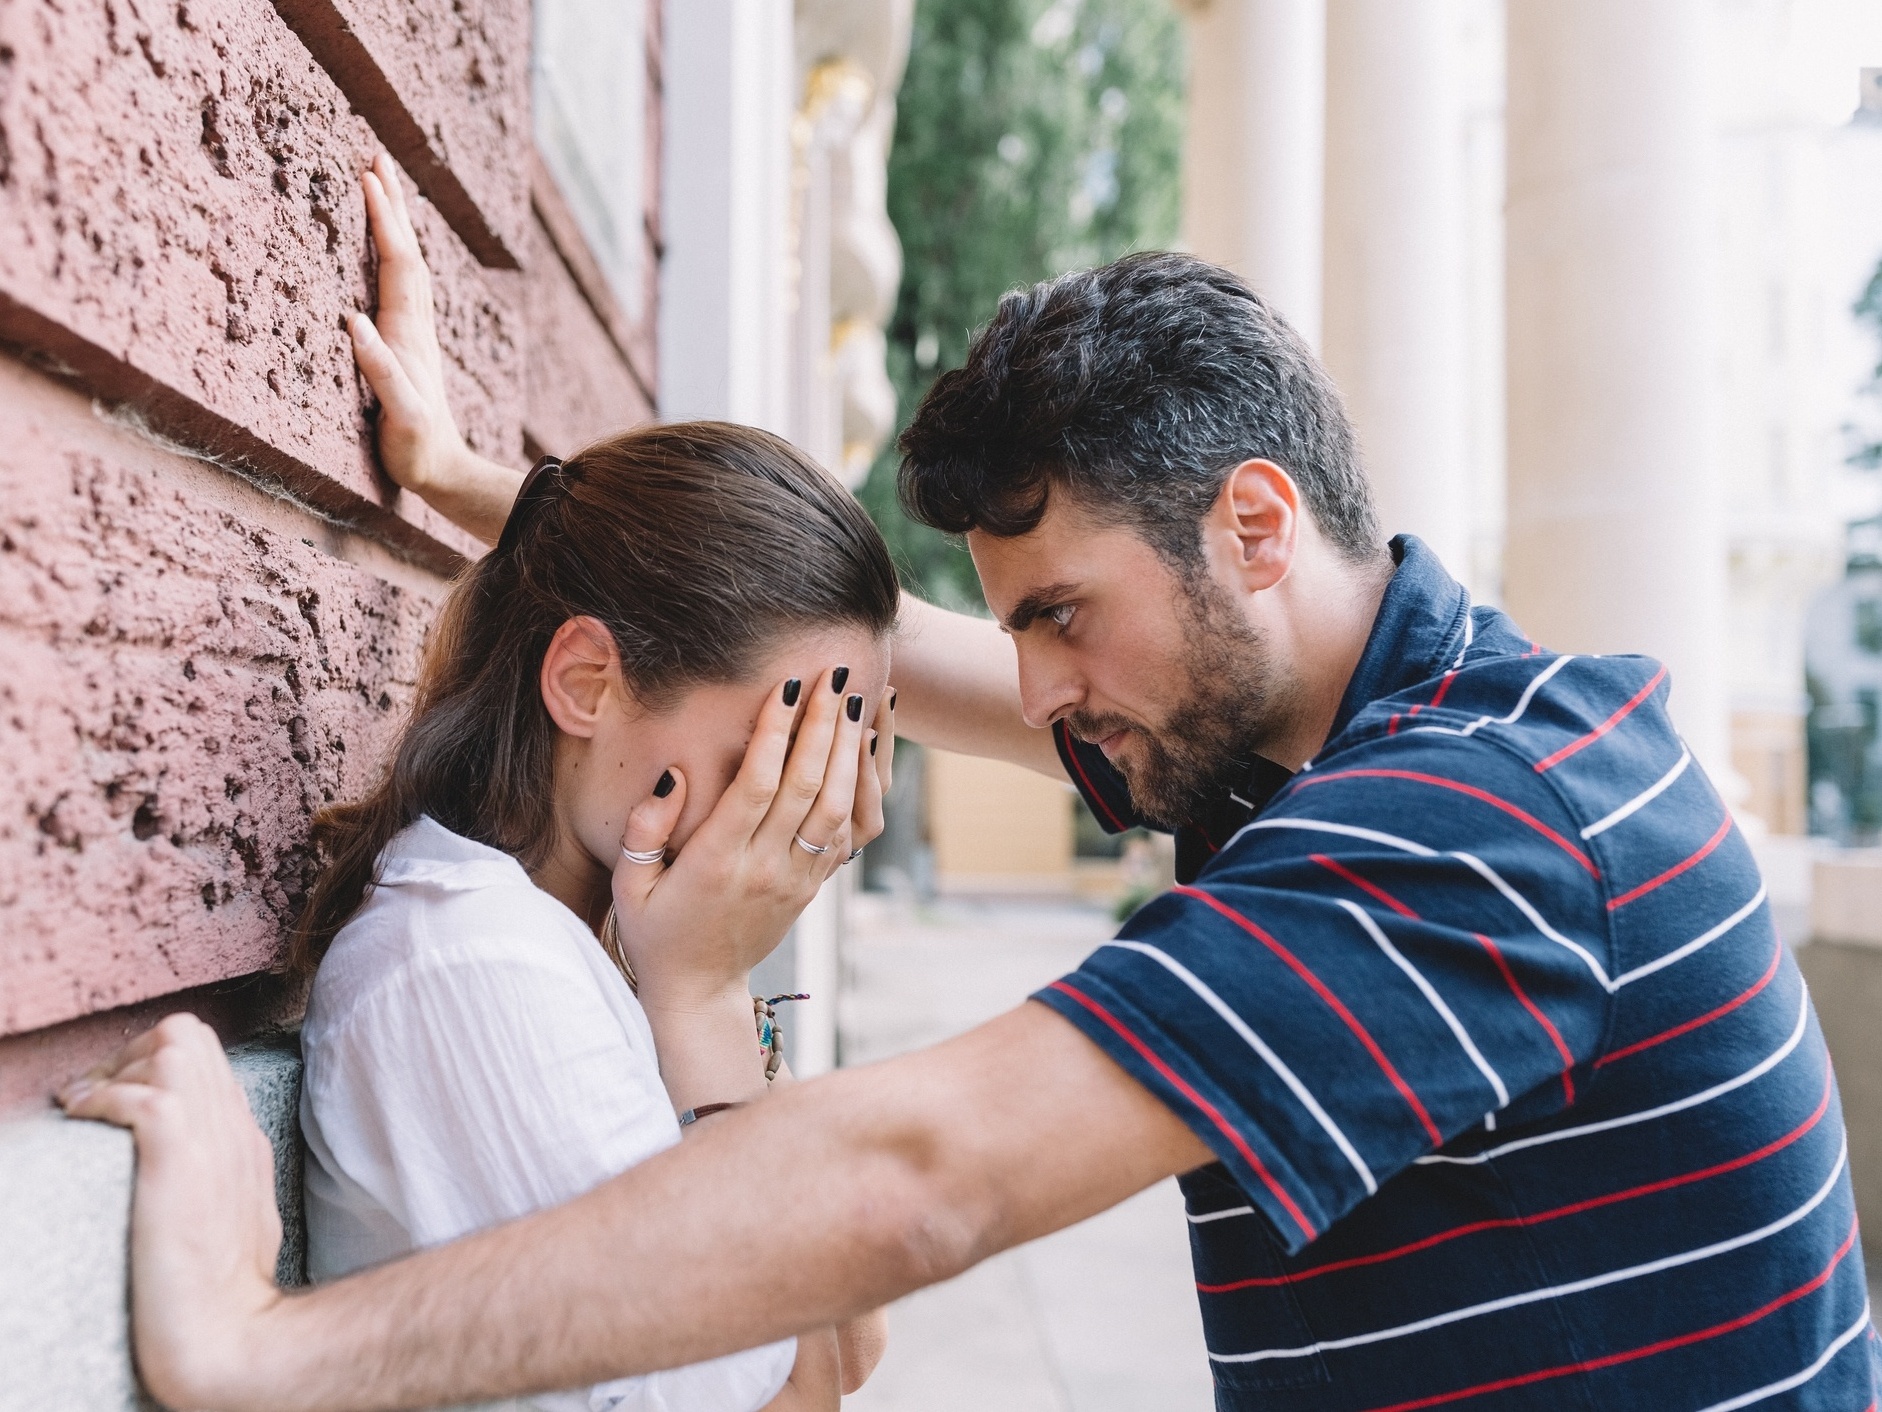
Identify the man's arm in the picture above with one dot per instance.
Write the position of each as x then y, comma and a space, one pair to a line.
959, 683
797, 1213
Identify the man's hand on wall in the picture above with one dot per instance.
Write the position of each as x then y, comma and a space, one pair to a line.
204, 1228
419, 443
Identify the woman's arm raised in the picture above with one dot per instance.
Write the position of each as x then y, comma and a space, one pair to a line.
419, 443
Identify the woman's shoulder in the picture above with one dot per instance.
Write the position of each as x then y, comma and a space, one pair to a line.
442, 903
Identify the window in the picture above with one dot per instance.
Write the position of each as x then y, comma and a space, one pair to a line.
589, 81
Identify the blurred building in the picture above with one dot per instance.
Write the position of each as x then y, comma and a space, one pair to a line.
1584, 275
211, 602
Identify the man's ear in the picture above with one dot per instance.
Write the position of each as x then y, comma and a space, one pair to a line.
580, 669
1249, 534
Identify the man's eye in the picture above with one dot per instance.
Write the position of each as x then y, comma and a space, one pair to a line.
1062, 615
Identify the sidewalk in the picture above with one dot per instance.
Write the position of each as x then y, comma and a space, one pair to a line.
1098, 1318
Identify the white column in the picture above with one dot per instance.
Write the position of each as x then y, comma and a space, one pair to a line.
1252, 156
1393, 330
726, 194
1615, 539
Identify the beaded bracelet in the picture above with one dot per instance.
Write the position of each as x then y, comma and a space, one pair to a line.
770, 1032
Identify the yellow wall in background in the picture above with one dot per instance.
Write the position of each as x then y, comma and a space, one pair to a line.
991, 821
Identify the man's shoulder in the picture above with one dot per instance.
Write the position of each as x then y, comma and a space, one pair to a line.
1570, 720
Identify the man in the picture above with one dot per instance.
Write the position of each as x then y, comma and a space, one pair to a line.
1466, 1028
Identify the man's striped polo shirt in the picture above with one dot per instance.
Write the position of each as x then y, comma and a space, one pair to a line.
1518, 1098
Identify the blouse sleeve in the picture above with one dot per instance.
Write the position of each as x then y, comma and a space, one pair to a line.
501, 1084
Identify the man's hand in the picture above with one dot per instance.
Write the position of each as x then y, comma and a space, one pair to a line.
204, 1228
419, 443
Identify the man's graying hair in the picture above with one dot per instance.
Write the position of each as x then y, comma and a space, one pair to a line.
1135, 389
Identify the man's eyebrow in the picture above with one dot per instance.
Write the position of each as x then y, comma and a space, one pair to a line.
1040, 600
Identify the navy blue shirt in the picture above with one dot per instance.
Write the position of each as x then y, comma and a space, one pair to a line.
1518, 1098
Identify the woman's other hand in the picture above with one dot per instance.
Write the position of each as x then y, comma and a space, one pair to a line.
419, 443
796, 810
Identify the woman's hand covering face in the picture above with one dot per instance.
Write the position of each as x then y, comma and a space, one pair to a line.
694, 928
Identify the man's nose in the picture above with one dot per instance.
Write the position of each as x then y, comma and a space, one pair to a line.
1049, 687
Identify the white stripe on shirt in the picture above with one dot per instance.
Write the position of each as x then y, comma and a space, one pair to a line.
1837, 1345
1644, 798
1513, 1301
1256, 1043
1678, 1105
1426, 989
1522, 704
1704, 939
1476, 864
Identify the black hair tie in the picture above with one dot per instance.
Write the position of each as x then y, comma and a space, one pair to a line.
537, 487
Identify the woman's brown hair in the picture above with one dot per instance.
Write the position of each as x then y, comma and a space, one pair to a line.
698, 544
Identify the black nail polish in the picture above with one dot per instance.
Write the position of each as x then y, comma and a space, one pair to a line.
874, 741
839, 679
791, 688
665, 786
894, 696
855, 708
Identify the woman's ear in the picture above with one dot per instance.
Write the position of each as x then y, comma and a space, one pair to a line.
1253, 525
581, 671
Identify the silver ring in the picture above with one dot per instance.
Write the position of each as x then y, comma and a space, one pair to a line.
855, 853
812, 849
646, 859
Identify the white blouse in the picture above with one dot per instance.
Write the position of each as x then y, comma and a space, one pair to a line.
472, 1055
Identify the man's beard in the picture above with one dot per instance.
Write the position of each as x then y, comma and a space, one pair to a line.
1232, 698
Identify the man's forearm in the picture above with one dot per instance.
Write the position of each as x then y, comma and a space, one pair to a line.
811, 1207
958, 679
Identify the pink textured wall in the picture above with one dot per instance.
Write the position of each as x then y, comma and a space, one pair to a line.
212, 604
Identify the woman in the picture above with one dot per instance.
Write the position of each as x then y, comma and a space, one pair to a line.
505, 1012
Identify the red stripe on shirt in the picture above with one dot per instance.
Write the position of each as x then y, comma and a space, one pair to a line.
1582, 742
1664, 1345
1337, 1005
1371, 889
1568, 1061
1650, 884
1475, 793
1177, 1082
1777, 952
1575, 1208
1091, 790
1437, 700
1509, 976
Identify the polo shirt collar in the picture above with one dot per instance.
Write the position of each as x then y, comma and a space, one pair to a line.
1417, 635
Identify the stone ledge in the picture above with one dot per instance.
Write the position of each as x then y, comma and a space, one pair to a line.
65, 1200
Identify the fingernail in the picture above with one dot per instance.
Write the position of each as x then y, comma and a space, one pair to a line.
791, 688
855, 708
894, 696
839, 679
873, 739
75, 1092
665, 785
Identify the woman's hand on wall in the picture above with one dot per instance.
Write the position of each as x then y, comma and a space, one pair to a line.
419, 443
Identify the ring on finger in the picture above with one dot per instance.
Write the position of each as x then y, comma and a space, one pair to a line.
645, 857
814, 850
855, 853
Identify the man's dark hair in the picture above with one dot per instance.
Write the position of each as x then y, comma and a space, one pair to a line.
1134, 388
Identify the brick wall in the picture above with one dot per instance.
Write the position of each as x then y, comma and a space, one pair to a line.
211, 602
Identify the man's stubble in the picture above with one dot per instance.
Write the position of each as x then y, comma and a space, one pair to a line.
1235, 696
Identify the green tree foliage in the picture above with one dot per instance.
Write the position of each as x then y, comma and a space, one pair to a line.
1032, 137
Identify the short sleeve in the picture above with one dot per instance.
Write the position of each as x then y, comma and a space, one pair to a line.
499, 1085
1409, 943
